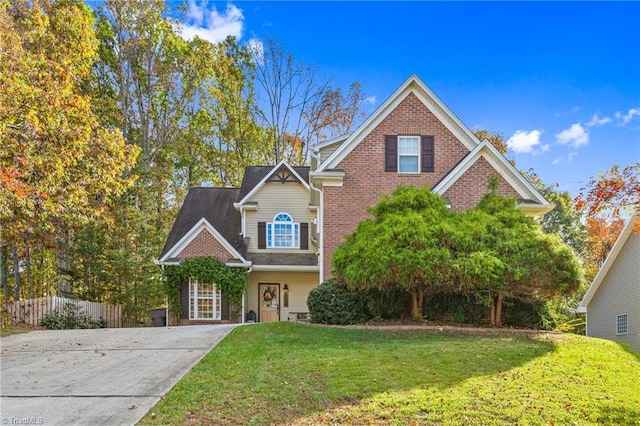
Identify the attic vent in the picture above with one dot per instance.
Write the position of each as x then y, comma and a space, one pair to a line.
283, 176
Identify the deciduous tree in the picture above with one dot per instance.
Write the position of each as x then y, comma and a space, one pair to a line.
58, 164
612, 192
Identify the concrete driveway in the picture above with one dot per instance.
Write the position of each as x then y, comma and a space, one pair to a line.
96, 377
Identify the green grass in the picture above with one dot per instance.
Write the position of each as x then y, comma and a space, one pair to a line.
286, 373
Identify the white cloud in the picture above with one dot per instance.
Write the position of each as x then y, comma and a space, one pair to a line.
524, 142
371, 100
575, 136
556, 161
210, 24
626, 118
597, 121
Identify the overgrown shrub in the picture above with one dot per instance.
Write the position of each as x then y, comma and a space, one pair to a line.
70, 317
334, 303
387, 304
458, 308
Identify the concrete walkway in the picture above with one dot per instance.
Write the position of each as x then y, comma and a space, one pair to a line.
96, 377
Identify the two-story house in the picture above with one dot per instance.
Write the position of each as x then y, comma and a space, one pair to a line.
284, 223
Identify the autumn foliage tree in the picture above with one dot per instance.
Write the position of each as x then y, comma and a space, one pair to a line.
612, 192
58, 164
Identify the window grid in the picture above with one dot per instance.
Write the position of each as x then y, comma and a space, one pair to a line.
283, 232
204, 301
408, 154
622, 324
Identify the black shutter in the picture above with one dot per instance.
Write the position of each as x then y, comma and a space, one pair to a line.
304, 236
262, 235
427, 154
390, 153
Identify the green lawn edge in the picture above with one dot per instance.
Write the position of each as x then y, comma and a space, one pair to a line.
287, 373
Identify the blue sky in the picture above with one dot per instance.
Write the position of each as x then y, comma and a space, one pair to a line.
560, 81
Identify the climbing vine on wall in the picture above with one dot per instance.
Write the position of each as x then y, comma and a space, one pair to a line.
232, 281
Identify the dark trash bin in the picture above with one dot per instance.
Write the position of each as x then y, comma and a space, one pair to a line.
158, 317
251, 316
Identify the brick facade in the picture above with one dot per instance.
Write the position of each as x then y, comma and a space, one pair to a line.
366, 180
467, 191
205, 244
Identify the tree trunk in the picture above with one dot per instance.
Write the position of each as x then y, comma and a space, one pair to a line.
416, 308
16, 273
498, 321
492, 314
4, 270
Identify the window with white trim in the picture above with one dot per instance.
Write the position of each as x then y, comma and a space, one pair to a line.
622, 324
283, 232
408, 154
205, 301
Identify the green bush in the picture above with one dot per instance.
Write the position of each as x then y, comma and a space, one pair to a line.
70, 317
334, 303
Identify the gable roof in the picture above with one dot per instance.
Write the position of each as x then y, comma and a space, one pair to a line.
412, 85
255, 177
486, 149
215, 206
611, 258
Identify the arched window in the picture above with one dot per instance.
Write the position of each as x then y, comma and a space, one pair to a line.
283, 232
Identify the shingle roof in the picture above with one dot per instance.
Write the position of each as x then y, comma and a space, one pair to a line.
254, 174
213, 204
295, 259
216, 206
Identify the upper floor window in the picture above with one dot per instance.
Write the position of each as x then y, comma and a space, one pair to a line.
408, 154
283, 232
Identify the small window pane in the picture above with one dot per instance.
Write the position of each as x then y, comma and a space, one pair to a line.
408, 165
622, 324
408, 145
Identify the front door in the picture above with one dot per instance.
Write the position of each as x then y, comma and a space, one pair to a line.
269, 302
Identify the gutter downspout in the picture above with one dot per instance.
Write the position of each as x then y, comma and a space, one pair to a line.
244, 296
320, 231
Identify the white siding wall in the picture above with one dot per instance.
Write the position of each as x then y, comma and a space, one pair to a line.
327, 151
274, 198
300, 284
619, 293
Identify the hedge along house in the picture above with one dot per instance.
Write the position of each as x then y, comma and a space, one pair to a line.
284, 223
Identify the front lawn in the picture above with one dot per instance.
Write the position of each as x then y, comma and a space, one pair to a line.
285, 373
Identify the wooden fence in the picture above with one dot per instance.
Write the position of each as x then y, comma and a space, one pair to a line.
32, 311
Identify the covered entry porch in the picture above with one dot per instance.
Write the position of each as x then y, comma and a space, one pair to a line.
279, 295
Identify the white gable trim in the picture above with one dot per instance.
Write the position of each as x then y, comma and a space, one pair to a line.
427, 97
610, 260
522, 186
187, 238
338, 139
266, 178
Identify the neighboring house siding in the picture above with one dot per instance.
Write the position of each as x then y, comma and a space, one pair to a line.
300, 284
274, 198
205, 244
366, 180
619, 293
467, 191
328, 150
